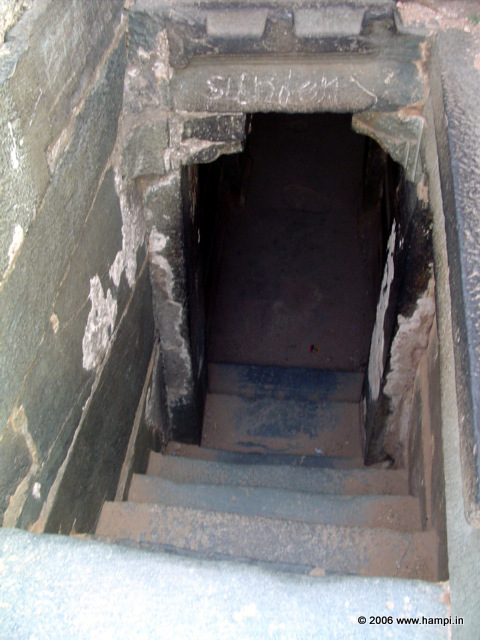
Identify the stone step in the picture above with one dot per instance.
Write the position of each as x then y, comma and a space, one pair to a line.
329, 548
399, 513
268, 425
366, 481
254, 381
195, 452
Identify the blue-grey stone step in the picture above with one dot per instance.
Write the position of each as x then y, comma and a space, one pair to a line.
329, 548
364, 481
399, 513
272, 425
254, 381
193, 451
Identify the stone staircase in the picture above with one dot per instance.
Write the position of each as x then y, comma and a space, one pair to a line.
278, 479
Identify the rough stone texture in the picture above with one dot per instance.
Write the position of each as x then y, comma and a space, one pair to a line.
326, 480
236, 23
425, 447
399, 134
89, 589
15, 461
97, 246
396, 513
463, 539
303, 86
401, 330
222, 128
28, 303
144, 146
459, 164
278, 28
328, 21
94, 462
201, 152
169, 281
352, 550
10, 13
47, 62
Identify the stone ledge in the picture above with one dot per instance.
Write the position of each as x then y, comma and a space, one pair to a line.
236, 23
327, 22
455, 91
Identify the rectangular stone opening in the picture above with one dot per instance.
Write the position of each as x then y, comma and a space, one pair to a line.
310, 294
292, 237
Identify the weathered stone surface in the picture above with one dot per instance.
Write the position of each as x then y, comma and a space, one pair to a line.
168, 272
10, 13
305, 85
237, 23
27, 302
201, 152
328, 21
75, 579
92, 471
399, 134
97, 246
457, 129
24, 173
221, 128
208, 30
144, 25
63, 42
55, 381
15, 461
47, 62
48, 469
146, 80
144, 147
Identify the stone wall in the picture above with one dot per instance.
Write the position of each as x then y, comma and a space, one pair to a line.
193, 74
76, 328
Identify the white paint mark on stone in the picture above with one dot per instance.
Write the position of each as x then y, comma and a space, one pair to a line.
375, 363
14, 248
367, 91
100, 323
13, 149
133, 233
408, 346
172, 339
36, 491
54, 321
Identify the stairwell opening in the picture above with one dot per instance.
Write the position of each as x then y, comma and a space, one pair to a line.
298, 260
310, 298
293, 276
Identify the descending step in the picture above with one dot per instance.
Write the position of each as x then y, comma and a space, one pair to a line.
366, 481
284, 426
399, 513
194, 452
254, 381
348, 550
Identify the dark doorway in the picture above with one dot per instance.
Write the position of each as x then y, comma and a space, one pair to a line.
293, 283
296, 284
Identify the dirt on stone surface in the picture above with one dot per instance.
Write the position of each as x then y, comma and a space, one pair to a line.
463, 15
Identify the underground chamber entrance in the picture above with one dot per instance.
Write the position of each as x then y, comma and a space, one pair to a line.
295, 254
306, 256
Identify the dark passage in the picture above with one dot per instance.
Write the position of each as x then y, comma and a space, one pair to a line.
293, 290
295, 277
